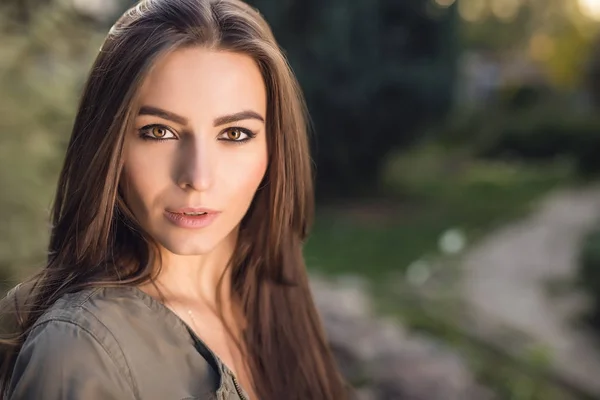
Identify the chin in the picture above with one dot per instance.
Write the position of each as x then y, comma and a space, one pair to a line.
188, 248
189, 242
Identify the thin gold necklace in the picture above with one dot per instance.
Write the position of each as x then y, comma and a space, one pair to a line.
191, 314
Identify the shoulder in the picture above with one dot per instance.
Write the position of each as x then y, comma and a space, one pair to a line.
130, 334
85, 323
69, 342
100, 312
117, 317
100, 309
98, 302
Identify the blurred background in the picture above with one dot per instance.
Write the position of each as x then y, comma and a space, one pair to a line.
456, 250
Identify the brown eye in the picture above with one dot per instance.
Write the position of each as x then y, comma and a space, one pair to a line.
238, 135
234, 134
158, 132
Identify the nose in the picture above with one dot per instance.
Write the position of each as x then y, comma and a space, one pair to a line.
195, 165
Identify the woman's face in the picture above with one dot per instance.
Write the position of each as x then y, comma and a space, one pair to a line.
199, 149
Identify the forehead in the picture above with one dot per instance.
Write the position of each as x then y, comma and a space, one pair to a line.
196, 82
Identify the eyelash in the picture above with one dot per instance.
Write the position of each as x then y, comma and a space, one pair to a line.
143, 133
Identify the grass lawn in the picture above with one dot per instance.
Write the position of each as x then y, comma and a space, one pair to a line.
426, 198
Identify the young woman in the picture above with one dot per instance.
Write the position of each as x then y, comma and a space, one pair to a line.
175, 266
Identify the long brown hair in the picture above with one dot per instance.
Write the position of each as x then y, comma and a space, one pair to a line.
95, 239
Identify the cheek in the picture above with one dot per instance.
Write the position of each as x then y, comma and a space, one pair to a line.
244, 181
141, 179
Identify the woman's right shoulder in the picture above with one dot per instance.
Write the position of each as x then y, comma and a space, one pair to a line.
114, 334
89, 320
112, 315
90, 309
69, 341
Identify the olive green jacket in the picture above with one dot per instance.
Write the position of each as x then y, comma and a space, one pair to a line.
117, 343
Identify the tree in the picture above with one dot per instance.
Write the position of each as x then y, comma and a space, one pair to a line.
373, 72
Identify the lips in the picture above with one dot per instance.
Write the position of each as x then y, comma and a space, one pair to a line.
194, 214
191, 217
193, 211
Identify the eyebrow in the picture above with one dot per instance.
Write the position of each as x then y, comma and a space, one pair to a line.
225, 119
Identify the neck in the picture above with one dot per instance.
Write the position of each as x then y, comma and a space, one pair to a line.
194, 280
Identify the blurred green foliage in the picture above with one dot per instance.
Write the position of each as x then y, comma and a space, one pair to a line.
528, 125
373, 71
41, 70
430, 189
589, 273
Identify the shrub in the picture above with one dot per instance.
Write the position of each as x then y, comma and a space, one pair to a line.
532, 135
589, 272
374, 73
